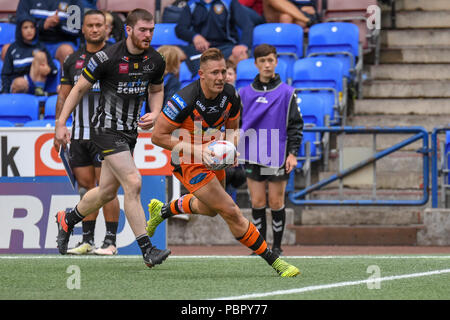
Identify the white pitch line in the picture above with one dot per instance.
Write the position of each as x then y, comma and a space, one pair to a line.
333, 285
50, 256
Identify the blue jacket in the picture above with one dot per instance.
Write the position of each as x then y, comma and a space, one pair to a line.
19, 57
42, 9
216, 22
171, 86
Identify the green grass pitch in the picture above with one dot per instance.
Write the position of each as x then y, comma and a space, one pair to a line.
56, 277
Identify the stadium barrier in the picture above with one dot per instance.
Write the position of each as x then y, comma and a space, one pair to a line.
418, 133
34, 186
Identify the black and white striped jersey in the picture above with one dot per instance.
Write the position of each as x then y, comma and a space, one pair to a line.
85, 110
124, 80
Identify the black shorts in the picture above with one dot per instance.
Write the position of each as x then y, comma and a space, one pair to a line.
260, 173
83, 153
110, 141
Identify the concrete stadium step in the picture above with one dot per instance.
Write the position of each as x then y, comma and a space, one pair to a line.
402, 106
383, 141
202, 230
416, 38
385, 180
410, 71
361, 216
367, 193
399, 161
415, 55
419, 19
356, 235
406, 120
406, 89
422, 5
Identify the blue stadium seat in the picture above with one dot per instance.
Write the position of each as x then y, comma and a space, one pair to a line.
287, 38
246, 71
312, 108
324, 76
339, 39
7, 33
6, 123
164, 34
50, 109
1, 68
40, 123
18, 107
186, 75
52, 83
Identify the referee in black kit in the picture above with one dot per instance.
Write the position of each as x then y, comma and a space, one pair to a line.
128, 72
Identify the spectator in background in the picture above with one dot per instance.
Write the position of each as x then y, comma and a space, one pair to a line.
231, 73
254, 9
269, 104
54, 24
213, 24
303, 13
89, 4
109, 27
255, 5
27, 63
114, 27
172, 55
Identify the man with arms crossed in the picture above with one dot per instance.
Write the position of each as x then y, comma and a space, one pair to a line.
128, 71
200, 110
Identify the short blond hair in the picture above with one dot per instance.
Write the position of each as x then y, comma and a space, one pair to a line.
211, 54
172, 55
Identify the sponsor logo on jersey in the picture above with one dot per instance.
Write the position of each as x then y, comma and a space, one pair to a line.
92, 65
179, 101
200, 105
123, 68
149, 68
262, 100
170, 110
222, 103
212, 109
79, 64
198, 178
132, 87
102, 56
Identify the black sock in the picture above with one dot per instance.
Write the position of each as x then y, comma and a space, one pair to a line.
144, 243
165, 211
259, 220
269, 256
111, 232
88, 231
73, 217
278, 223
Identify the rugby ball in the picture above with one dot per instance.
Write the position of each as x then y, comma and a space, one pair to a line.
224, 154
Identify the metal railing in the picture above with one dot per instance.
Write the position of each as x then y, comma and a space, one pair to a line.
439, 170
418, 133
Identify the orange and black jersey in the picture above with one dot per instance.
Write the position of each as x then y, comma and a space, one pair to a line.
124, 80
189, 109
